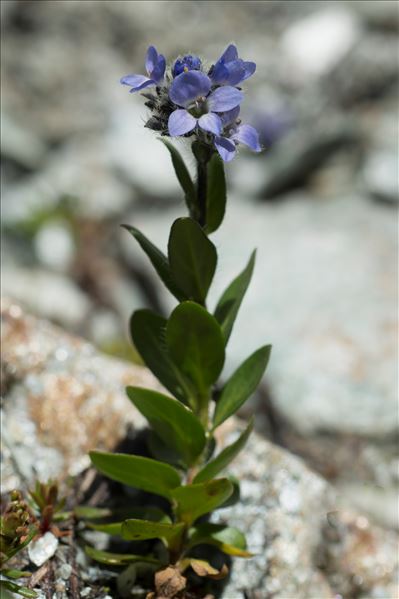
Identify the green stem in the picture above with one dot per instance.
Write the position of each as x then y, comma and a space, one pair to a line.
201, 191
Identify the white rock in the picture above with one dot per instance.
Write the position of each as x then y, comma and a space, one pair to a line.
41, 550
54, 246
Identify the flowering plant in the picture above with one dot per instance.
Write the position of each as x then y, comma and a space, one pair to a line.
186, 352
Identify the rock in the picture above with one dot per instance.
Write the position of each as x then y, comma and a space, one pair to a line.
54, 246
381, 176
20, 144
42, 549
304, 544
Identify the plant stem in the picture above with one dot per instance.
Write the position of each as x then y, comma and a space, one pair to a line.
201, 191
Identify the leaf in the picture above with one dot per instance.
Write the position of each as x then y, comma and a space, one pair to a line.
182, 175
158, 260
176, 425
140, 530
241, 384
195, 500
230, 302
118, 559
212, 468
153, 514
148, 334
192, 259
195, 344
16, 588
203, 568
15, 574
228, 539
216, 194
136, 471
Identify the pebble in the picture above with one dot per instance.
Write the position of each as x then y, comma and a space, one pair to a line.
42, 549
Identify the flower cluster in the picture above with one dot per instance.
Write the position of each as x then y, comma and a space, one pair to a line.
191, 100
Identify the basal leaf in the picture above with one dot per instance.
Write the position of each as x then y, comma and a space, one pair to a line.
13, 587
137, 471
228, 539
118, 559
140, 530
176, 425
195, 500
212, 468
192, 259
158, 260
195, 344
230, 302
182, 174
216, 194
148, 334
241, 384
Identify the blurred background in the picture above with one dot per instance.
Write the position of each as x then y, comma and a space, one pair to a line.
320, 203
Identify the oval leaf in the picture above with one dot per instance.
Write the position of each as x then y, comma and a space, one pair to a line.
117, 559
216, 194
195, 500
136, 471
147, 330
241, 384
158, 260
182, 175
230, 302
224, 458
228, 539
195, 344
140, 530
176, 425
192, 258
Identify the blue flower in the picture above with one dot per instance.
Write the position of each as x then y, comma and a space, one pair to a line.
187, 63
231, 70
155, 65
190, 90
234, 134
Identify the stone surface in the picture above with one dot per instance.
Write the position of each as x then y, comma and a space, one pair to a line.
305, 544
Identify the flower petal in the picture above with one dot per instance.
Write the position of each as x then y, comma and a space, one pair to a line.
224, 98
180, 122
137, 82
229, 54
219, 73
211, 122
248, 135
151, 59
250, 68
159, 69
226, 148
230, 116
236, 72
188, 87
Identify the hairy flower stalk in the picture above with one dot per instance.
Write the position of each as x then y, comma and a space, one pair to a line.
186, 351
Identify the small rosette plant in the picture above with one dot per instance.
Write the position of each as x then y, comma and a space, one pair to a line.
186, 351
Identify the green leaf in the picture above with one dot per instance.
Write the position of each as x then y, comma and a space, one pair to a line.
158, 260
16, 588
195, 344
136, 471
230, 302
16, 574
192, 259
140, 530
182, 175
228, 539
195, 500
212, 468
148, 334
216, 194
176, 425
114, 527
117, 559
241, 384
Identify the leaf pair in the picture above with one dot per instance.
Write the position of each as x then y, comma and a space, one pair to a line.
215, 186
189, 268
186, 353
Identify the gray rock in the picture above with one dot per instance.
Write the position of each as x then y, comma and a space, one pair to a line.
304, 544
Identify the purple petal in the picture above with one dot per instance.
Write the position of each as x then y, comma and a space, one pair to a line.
188, 87
159, 69
248, 135
229, 54
236, 72
219, 73
211, 122
250, 68
224, 98
230, 116
137, 82
151, 59
180, 122
226, 148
